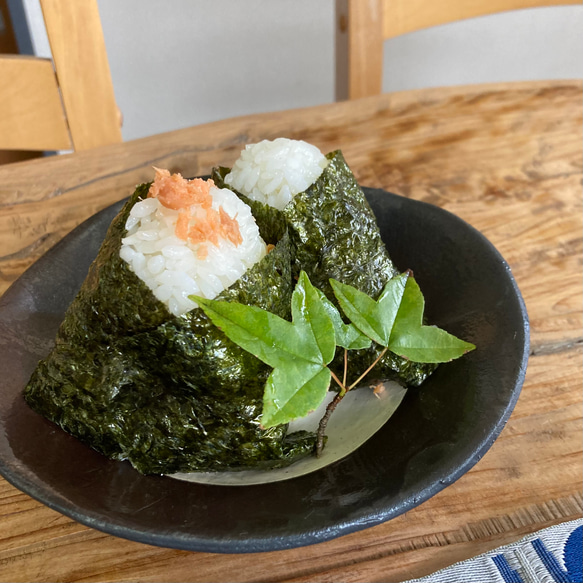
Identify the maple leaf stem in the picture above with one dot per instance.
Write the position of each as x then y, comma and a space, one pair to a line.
368, 369
342, 386
324, 421
343, 390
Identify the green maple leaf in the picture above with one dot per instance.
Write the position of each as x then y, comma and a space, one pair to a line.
412, 340
298, 351
347, 335
373, 318
395, 320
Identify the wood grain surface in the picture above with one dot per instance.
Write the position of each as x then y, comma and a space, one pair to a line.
506, 158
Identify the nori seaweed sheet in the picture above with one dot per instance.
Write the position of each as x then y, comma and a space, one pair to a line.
173, 394
166, 393
335, 235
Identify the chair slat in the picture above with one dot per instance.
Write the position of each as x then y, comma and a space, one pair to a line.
362, 25
32, 112
403, 16
76, 39
359, 48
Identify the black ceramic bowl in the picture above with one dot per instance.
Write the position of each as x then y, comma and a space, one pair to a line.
438, 433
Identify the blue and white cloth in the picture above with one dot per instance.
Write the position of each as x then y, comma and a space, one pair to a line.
552, 555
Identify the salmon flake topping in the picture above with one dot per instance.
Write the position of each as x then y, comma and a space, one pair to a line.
176, 193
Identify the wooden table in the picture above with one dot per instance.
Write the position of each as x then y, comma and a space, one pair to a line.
507, 158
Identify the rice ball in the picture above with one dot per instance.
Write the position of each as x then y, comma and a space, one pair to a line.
180, 246
273, 172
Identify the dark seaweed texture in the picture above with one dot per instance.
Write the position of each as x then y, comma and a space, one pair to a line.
169, 394
174, 394
335, 235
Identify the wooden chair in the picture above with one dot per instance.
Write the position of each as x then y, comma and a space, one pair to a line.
63, 104
363, 25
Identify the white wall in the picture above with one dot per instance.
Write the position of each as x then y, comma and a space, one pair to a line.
522, 45
177, 63
183, 62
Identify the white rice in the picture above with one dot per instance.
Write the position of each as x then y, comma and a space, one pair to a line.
273, 172
169, 266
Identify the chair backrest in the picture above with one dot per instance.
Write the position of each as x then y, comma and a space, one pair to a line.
363, 25
66, 103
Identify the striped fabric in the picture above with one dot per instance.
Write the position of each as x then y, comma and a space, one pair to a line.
552, 555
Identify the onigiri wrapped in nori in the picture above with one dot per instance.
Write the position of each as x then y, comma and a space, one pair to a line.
168, 391
333, 230
138, 371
